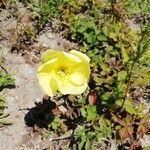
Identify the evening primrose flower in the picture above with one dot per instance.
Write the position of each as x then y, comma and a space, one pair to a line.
67, 73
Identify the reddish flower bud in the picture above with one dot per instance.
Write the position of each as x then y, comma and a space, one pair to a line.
92, 98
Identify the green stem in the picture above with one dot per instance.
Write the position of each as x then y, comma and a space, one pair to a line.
139, 54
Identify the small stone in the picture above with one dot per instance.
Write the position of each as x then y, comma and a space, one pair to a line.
62, 109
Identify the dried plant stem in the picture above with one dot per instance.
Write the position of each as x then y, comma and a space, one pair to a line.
63, 137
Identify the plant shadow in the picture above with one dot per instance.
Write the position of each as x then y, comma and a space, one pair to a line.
44, 113
41, 115
7, 86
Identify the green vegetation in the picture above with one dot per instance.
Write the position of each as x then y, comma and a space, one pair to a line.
5, 81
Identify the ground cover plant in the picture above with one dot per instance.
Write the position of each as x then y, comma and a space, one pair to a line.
115, 36
5, 81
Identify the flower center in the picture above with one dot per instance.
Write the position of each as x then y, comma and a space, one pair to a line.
63, 71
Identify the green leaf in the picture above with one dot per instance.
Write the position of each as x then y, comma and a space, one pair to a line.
55, 123
145, 59
124, 54
2, 104
96, 128
97, 78
105, 68
141, 76
81, 29
80, 136
89, 38
102, 37
90, 134
83, 112
105, 97
4, 116
5, 80
81, 144
87, 145
91, 112
4, 122
146, 148
1, 112
129, 106
105, 126
99, 137
122, 75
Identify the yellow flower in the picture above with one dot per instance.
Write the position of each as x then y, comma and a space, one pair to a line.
65, 72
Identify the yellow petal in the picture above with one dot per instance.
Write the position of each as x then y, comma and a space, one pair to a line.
48, 84
50, 65
49, 54
77, 78
83, 68
71, 57
80, 55
66, 87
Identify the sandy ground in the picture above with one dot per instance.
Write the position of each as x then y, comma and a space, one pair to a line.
22, 96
